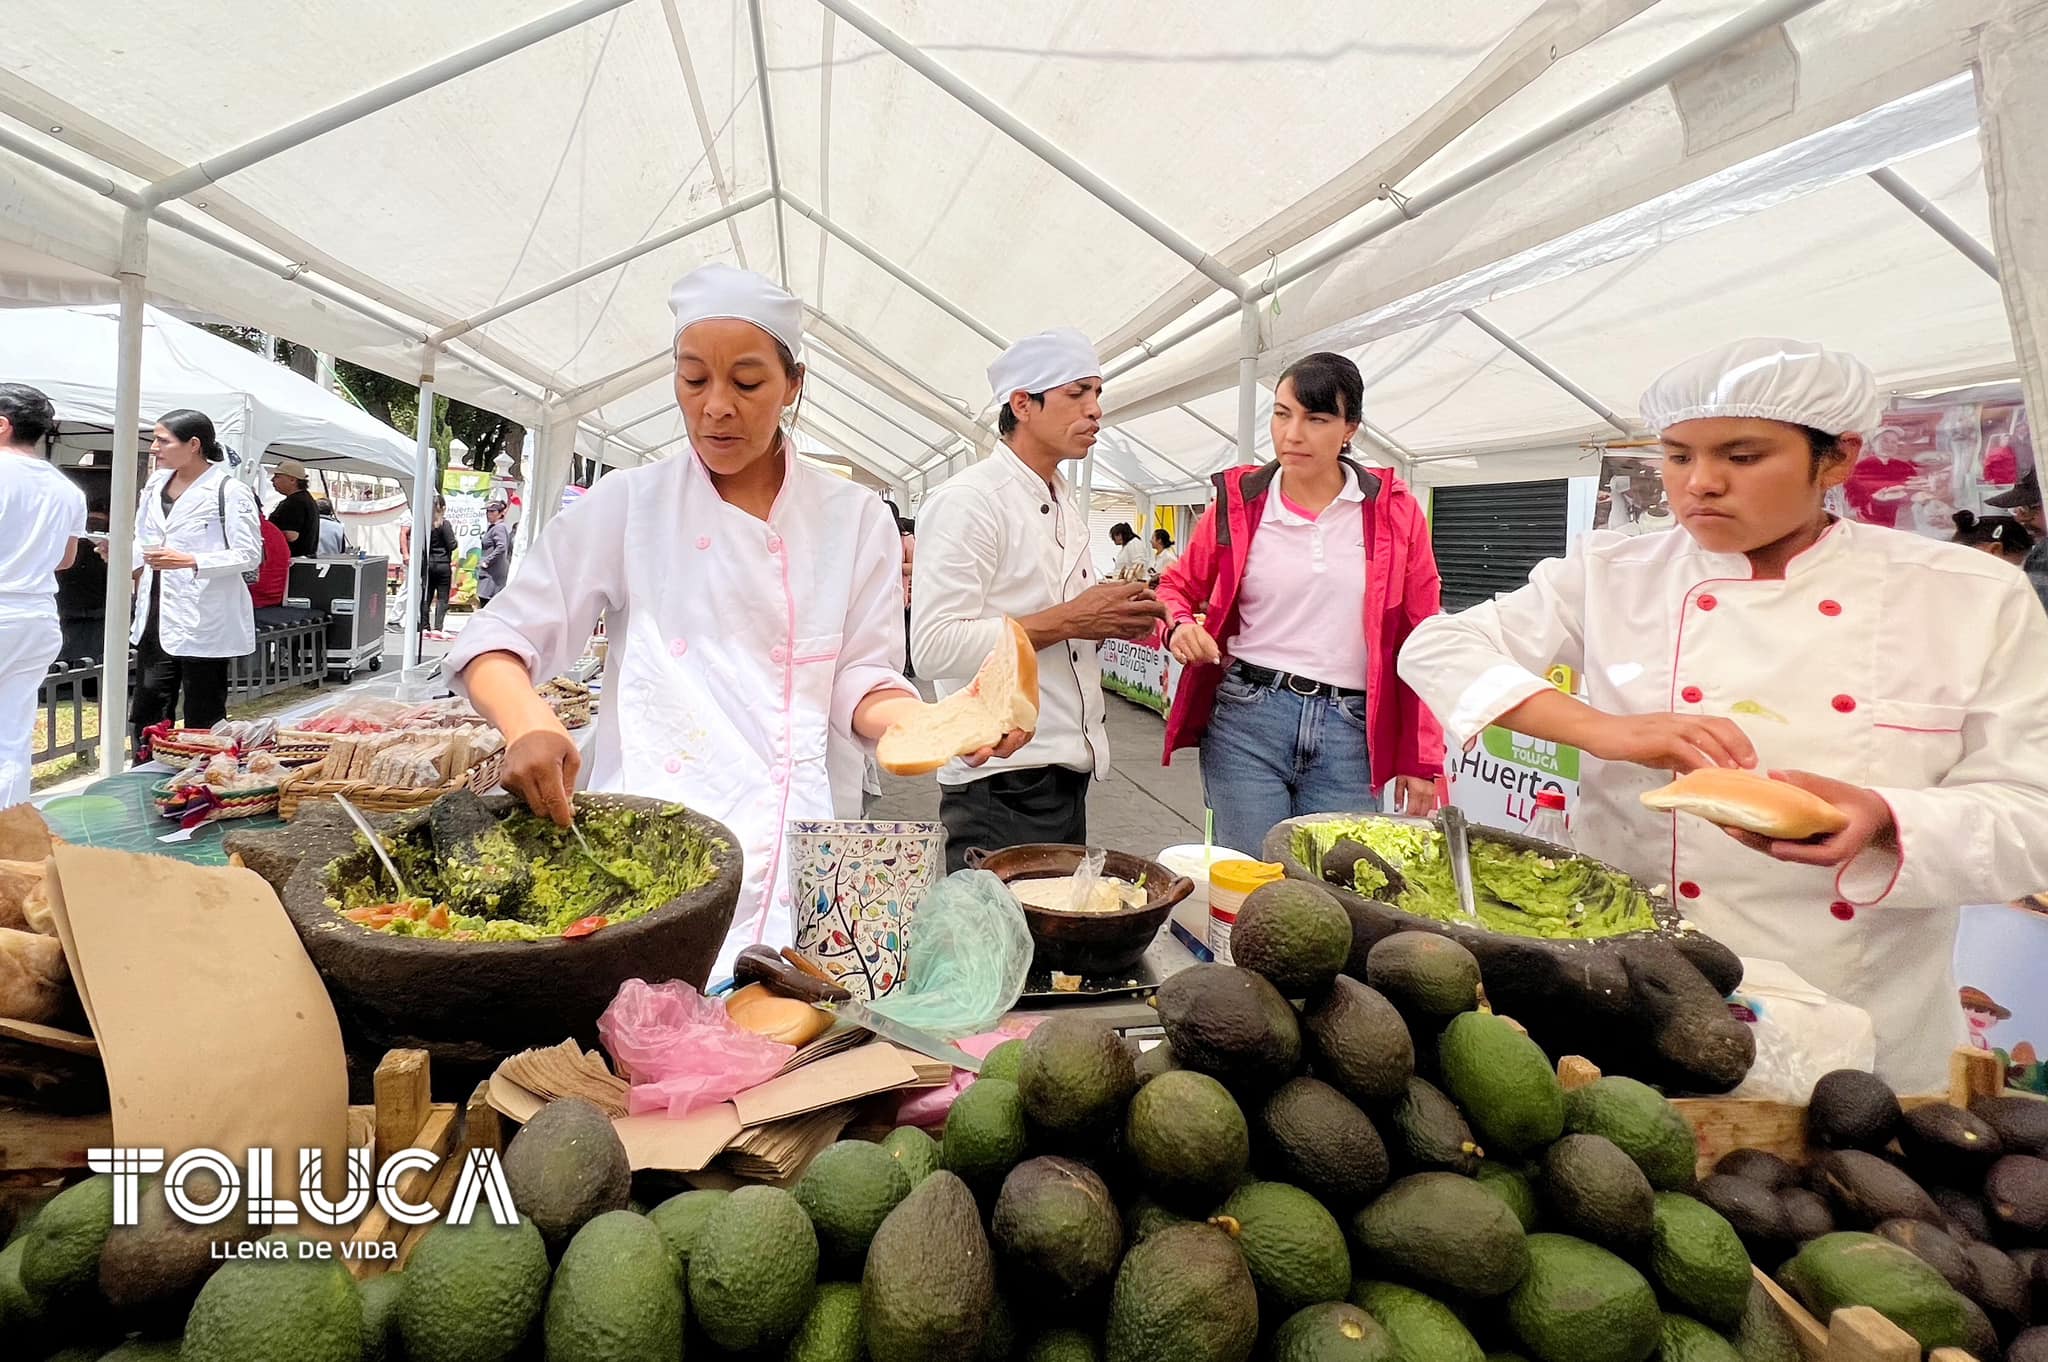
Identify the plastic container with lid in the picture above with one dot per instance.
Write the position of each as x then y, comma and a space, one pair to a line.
1548, 823
1193, 860
1230, 883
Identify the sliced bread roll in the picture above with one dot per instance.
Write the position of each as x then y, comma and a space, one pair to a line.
34, 978
1003, 696
1751, 803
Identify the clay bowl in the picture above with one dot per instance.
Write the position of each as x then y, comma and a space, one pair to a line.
1088, 943
475, 1002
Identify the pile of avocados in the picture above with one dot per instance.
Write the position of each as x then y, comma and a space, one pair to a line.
1314, 1167
1647, 1003
1937, 1217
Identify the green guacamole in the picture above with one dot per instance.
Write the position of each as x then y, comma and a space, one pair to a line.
658, 854
1518, 893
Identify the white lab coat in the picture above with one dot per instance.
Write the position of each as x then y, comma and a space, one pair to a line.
1914, 668
205, 610
995, 543
739, 650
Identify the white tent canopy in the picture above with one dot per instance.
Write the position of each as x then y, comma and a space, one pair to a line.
1511, 210
259, 409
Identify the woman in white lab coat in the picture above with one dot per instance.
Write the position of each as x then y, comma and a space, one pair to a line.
754, 606
195, 535
1901, 679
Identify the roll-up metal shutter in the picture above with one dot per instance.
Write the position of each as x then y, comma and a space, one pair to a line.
1488, 537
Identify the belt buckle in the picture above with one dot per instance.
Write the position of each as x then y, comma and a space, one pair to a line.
1296, 684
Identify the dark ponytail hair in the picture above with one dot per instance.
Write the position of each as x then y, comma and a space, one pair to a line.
2002, 530
1329, 383
187, 424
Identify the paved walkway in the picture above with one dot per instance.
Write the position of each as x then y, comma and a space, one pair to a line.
1142, 808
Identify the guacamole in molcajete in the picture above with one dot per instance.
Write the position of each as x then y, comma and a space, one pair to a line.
461, 897
1521, 893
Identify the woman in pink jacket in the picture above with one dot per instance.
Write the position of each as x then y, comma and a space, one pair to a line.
1311, 572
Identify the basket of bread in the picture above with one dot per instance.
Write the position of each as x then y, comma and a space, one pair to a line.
222, 786
399, 769
569, 699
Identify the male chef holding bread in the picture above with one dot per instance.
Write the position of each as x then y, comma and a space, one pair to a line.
1008, 538
1860, 714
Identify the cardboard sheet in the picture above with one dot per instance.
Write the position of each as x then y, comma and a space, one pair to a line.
859, 1072
678, 1144
214, 1027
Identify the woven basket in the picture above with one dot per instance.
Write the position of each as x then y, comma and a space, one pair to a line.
302, 749
301, 786
174, 803
175, 748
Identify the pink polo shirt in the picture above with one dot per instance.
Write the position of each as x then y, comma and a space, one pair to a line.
1304, 589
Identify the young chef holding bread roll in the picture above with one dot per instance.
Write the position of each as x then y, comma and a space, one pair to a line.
754, 606
1863, 713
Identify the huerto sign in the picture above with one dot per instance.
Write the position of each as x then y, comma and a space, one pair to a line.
252, 1185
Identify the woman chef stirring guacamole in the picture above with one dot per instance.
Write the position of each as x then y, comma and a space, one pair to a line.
1903, 680
754, 606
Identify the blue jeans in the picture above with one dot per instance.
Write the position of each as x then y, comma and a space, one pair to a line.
1270, 754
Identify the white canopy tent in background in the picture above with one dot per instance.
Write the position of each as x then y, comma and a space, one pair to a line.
259, 409
492, 198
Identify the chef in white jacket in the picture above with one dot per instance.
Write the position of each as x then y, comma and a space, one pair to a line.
1902, 679
42, 513
196, 533
754, 606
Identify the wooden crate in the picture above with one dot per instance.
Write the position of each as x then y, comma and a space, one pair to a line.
404, 1117
1725, 1124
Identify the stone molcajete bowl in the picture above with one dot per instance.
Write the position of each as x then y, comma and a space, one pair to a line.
1647, 1004
475, 1002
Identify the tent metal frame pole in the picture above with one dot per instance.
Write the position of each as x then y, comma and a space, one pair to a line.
838, 420
923, 442
1536, 362
1538, 139
604, 266
897, 272
951, 404
1017, 131
202, 173
768, 136
1943, 226
123, 494
422, 512
1248, 346
705, 133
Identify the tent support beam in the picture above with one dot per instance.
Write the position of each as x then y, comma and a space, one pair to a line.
1248, 380
923, 442
123, 494
812, 416
203, 173
422, 511
896, 271
1010, 126
604, 266
1943, 226
1657, 74
1534, 361
705, 134
768, 136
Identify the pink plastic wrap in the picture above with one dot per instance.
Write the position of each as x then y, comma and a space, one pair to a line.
680, 1050
928, 1106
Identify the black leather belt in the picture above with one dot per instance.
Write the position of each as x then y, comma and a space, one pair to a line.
1297, 685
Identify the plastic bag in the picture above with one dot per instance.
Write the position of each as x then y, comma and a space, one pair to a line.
970, 952
679, 1049
1801, 1033
928, 1106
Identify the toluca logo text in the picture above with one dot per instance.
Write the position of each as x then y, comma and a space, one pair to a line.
482, 1178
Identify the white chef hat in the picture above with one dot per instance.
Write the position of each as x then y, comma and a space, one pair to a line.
1050, 359
1769, 377
719, 291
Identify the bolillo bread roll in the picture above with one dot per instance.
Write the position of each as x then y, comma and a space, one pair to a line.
1002, 696
34, 979
1749, 802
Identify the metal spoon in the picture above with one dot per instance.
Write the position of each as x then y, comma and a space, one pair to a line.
1458, 847
355, 816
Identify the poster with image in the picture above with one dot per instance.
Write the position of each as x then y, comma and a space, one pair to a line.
465, 490
1937, 455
